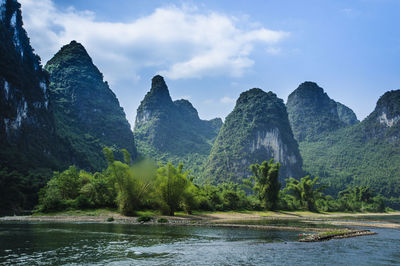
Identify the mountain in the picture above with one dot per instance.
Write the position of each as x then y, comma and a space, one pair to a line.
312, 112
167, 130
29, 147
87, 113
256, 130
367, 153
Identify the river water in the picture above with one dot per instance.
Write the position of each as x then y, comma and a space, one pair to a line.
116, 244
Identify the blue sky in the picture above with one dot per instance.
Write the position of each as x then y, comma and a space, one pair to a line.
211, 51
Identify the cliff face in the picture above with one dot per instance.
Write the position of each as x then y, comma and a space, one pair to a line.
169, 130
255, 131
29, 147
27, 132
87, 113
312, 112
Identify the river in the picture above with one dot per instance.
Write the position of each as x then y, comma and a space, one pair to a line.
118, 244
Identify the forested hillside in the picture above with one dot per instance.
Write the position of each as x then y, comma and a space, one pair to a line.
256, 130
87, 113
171, 131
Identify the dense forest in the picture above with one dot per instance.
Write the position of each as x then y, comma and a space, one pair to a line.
143, 185
56, 121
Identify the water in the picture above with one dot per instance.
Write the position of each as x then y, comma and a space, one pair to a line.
113, 244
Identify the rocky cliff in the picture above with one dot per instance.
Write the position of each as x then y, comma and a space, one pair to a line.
29, 147
255, 131
312, 112
87, 113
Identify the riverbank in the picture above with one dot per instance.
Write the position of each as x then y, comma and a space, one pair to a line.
304, 221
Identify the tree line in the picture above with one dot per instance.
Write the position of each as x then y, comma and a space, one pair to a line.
143, 185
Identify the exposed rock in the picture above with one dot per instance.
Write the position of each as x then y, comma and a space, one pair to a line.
255, 131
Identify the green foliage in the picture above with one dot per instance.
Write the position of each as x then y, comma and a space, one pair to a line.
172, 184
162, 220
143, 186
110, 219
257, 117
265, 183
87, 113
144, 219
304, 191
171, 131
364, 154
312, 112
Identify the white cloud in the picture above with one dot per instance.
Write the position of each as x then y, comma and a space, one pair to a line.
179, 42
227, 100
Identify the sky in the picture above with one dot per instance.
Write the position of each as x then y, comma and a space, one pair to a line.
211, 51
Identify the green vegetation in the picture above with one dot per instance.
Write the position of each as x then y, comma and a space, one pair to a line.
133, 188
265, 183
312, 112
343, 152
162, 220
257, 129
87, 113
144, 219
171, 131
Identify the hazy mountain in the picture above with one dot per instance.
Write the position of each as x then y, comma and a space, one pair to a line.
168, 130
312, 112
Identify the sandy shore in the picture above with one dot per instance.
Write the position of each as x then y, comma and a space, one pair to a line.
231, 219
250, 220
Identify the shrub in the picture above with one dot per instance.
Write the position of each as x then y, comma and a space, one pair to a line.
162, 220
144, 219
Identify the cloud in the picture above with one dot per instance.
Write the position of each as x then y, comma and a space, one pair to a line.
227, 100
178, 42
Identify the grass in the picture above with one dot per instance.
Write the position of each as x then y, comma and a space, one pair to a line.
333, 232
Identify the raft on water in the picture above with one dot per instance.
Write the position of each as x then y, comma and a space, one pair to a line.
335, 235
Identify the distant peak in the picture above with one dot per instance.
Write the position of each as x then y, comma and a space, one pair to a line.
159, 87
158, 82
73, 48
310, 86
389, 103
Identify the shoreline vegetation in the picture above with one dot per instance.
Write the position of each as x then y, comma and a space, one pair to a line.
319, 226
143, 193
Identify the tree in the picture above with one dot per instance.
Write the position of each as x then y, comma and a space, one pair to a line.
171, 185
265, 183
304, 191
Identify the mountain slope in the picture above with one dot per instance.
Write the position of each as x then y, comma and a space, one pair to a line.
29, 147
256, 130
367, 153
312, 112
87, 113
167, 130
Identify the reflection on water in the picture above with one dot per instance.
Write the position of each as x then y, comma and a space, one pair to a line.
101, 244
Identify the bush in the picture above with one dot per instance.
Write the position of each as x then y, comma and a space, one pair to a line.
110, 219
144, 219
162, 220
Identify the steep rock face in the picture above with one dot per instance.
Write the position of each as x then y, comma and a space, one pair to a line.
366, 153
256, 130
29, 148
312, 112
87, 113
169, 130
346, 115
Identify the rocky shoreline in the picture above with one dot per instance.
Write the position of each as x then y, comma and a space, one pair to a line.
332, 222
326, 237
